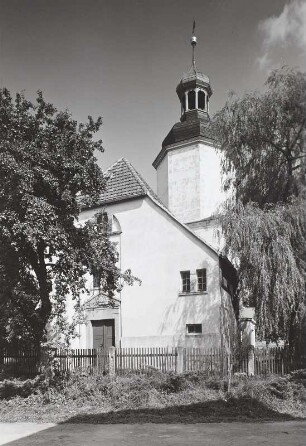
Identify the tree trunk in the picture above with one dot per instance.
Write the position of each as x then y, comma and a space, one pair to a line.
45, 288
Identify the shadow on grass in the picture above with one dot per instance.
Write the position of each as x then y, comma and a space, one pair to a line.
233, 410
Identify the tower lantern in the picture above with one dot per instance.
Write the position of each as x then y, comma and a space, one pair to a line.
194, 90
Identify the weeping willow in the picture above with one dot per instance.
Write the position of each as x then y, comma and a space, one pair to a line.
266, 246
262, 141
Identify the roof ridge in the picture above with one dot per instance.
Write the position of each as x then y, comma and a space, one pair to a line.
136, 175
112, 166
162, 206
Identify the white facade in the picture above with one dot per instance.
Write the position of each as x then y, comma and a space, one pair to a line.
157, 313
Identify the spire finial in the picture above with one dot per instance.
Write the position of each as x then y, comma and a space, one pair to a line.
193, 42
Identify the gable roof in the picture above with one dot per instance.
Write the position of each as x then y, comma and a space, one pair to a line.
124, 182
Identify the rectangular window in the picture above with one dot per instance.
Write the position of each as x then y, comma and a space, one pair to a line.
194, 328
201, 278
185, 275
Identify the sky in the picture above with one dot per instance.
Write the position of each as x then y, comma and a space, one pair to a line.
122, 59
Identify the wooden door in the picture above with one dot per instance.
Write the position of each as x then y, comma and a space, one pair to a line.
103, 334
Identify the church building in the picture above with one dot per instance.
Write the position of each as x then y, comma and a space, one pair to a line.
186, 297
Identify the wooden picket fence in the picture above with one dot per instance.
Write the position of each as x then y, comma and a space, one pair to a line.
277, 361
90, 359
144, 360
30, 362
269, 361
16, 362
212, 362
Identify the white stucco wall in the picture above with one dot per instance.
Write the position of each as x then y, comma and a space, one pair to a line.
210, 231
157, 248
212, 195
162, 181
189, 180
184, 174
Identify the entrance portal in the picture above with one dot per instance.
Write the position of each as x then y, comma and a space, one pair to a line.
103, 332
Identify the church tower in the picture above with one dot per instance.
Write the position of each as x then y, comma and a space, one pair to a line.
188, 165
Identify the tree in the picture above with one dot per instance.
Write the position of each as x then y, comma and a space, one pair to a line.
262, 139
47, 172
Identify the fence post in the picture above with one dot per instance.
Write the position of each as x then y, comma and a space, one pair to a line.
112, 361
251, 361
180, 364
247, 325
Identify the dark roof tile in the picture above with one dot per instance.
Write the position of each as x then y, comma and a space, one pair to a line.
124, 182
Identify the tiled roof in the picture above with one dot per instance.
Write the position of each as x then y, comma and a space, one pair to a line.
124, 182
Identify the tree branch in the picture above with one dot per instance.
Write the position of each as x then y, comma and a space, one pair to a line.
298, 134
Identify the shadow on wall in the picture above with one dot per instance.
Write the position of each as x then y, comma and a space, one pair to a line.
183, 312
195, 309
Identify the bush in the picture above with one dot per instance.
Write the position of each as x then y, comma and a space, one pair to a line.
16, 387
174, 383
133, 391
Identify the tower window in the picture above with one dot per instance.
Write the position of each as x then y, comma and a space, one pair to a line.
185, 276
184, 103
191, 100
201, 279
201, 100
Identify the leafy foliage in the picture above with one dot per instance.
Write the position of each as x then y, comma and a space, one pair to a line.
262, 138
272, 276
47, 164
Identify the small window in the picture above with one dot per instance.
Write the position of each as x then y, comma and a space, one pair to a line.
185, 276
201, 278
201, 100
194, 328
191, 100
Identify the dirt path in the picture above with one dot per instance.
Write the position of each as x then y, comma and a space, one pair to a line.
287, 433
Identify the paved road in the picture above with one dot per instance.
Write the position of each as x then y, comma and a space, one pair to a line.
288, 433
13, 431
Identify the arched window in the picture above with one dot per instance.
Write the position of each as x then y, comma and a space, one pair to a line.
116, 228
191, 100
102, 219
201, 100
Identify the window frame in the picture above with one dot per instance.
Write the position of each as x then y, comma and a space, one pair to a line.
195, 332
201, 100
203, 287
191, 100
185, 287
